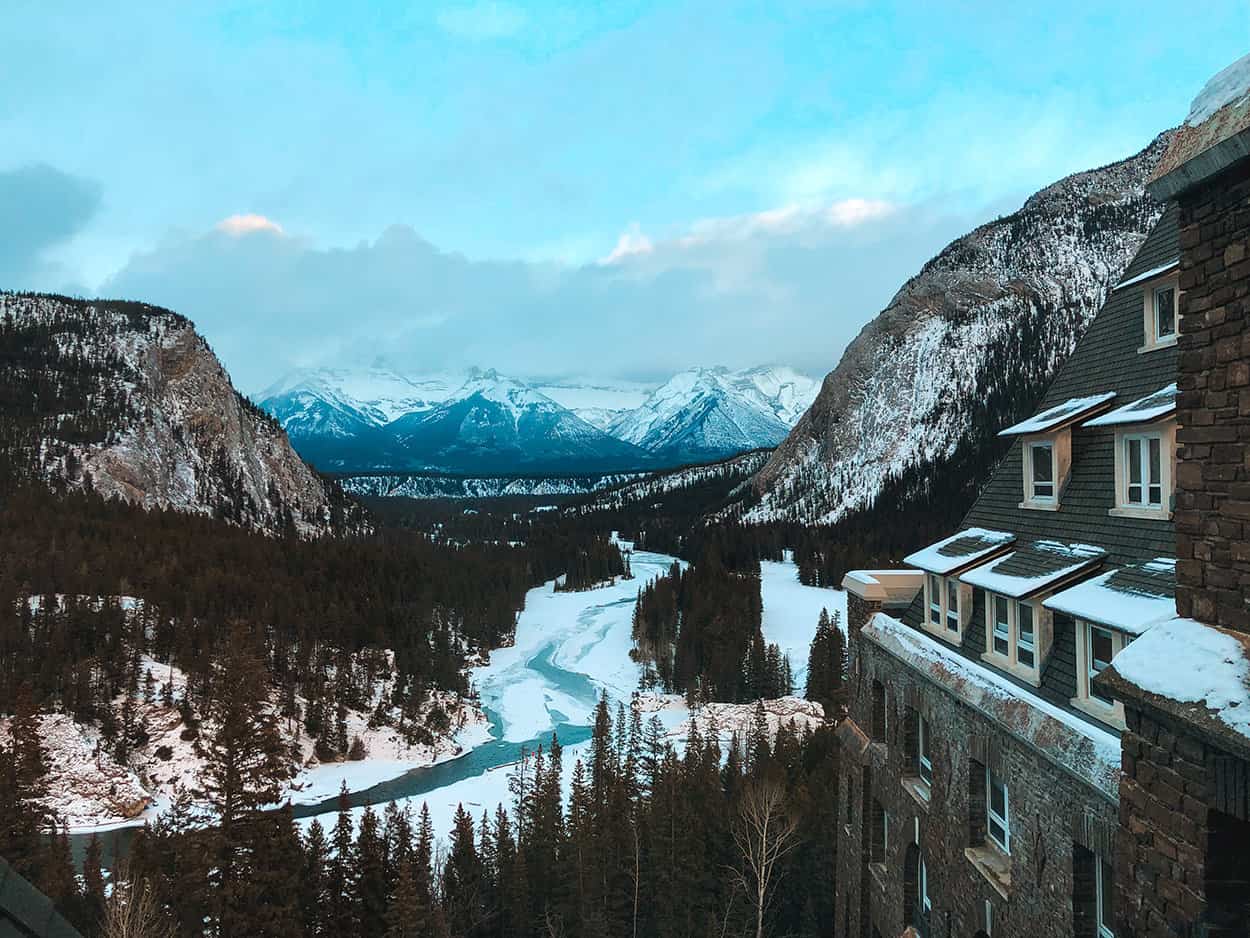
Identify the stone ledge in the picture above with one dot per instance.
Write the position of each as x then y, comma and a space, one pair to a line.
993, 865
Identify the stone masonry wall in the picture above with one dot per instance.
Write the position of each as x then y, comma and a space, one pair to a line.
1052, 814
1164, 793
1213, 474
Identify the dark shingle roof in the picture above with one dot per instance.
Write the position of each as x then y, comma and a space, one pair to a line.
1105, 359
27, 912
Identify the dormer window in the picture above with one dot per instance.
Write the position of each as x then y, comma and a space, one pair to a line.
944, 607
1143, 475
1040, 472
1164, 298
1160, 313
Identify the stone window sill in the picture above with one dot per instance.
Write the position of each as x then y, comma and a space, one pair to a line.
993, 865
1112, 715
916, 787
1144, 514
877, 871
1028, 675
1039, 506
1169, 342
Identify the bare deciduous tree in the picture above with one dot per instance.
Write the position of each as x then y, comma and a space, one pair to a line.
763, 832
132, 911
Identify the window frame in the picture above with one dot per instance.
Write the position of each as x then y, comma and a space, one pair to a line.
1152, 339
1164, 432
1109, 711
1104, 926
1031, 482
940, 619
1009, 660
924, 760
1161, 337
922, 883
992, 817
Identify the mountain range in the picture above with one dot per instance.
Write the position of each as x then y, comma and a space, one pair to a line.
379, 419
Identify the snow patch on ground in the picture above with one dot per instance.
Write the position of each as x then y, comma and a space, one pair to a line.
791, 611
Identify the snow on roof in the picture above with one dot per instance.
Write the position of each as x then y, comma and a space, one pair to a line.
1148, 274
1151, 407
1129, 599
1033, 567
959, 550
1088, 751
1052, 417
1190, 662
1226, 86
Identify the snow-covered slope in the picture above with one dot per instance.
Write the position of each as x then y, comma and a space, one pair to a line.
130, 400
498, 424
990, 318
705, 413
343, 401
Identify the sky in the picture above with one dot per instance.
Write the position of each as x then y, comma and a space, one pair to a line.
548, 188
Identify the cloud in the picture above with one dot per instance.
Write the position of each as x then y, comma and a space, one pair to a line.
239, 225
40, 208
788, 286
482, 21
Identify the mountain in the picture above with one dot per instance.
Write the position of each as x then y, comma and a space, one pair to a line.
362, 420
967, 346
709, 413
498, 424
128, 399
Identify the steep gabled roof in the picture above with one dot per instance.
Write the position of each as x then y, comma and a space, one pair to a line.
1105, 360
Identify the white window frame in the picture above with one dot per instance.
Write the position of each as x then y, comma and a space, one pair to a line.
1150, 313
922, 880
1111, 712
1147, 483
924, 761
935, 616
940, 619
1165, 433
1030, 478
1160, 336
1010, 659
992, 817
1030, 646
1104, 924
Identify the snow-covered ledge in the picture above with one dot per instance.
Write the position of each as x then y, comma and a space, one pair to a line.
1197, 673
887, 587
1085, 751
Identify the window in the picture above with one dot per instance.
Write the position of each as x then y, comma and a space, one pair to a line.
1103, 890
1002, 626
925, 905
943, 608
1165, 313
1101, 649
1143, 463
1042, 471
1011, 637
996, 816
924, 760
1024, 635
935, 599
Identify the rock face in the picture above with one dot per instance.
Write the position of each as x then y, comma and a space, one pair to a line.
964, 346
129, 399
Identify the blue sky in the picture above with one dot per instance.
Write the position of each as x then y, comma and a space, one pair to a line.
621, 188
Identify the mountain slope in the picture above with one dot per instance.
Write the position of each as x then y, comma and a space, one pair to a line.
965, 347
497, 424
129, 400
708, 413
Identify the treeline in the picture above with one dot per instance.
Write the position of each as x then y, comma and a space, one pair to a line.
591, 562
650, 842
697, 632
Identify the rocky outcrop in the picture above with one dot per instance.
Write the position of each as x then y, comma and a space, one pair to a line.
129, 400
980, 331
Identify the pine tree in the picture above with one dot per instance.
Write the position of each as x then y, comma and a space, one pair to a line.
462, 876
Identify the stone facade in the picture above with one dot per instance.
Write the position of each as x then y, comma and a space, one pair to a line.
1213, 476
1058, 822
